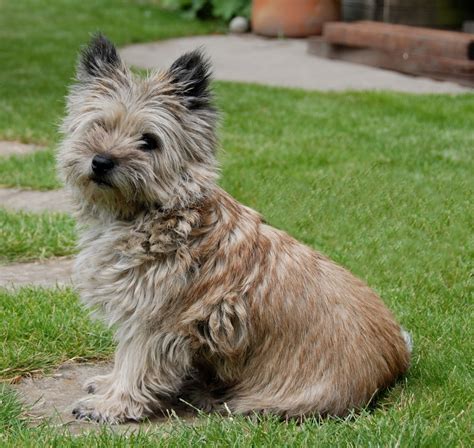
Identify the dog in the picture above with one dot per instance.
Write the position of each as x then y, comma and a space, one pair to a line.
208, 302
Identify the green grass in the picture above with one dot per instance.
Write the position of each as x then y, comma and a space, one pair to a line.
34, 171
428, 425
42, 328
27, 236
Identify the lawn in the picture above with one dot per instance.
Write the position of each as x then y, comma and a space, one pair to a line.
380, 182
49, 328
30, 236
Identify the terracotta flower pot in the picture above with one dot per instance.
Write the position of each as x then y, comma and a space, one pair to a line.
293, 18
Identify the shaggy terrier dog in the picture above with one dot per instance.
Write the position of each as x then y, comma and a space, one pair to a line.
209, 304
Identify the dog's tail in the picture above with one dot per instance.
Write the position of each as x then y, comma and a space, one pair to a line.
408, 340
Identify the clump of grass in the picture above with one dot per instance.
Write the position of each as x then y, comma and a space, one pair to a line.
33, 171
11, 418
27, 236
42, 328
415, 425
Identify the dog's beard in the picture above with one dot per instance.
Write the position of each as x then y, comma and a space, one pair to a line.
105, 194
101, 182
121, 194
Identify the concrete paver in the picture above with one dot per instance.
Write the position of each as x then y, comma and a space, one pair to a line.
280, 62
34, 201
8, 148
53, 397
48, 273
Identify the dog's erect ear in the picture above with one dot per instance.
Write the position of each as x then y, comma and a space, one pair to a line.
99, 59
192, 74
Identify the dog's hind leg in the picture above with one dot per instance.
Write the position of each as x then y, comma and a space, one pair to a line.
318, 398
148, 369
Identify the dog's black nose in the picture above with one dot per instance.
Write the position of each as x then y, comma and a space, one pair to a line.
102, 164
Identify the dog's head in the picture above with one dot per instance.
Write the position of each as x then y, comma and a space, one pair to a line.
134, 143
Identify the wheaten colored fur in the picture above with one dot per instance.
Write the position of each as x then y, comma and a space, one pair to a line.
208, 302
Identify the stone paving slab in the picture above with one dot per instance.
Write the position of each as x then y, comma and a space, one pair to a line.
48, 273
280, 62
18, 149
53, 397
34, 201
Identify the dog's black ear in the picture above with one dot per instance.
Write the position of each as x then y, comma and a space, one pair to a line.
99, 59
192, 74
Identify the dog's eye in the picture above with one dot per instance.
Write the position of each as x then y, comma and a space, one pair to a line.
148, 142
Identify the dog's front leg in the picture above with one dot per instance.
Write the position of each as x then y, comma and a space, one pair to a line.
147, 369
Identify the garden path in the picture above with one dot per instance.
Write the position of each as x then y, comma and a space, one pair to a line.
56, 271
47, 273
17, 148
280, 62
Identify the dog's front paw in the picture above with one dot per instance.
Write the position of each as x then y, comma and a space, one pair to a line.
97, 384
112, 411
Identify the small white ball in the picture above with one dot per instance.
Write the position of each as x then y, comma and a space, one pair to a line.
239, 25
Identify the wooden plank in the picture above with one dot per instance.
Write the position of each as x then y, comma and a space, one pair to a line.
413, 41
456, 70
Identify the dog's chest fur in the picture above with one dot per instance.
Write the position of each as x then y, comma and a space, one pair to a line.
176, 273
130, 270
